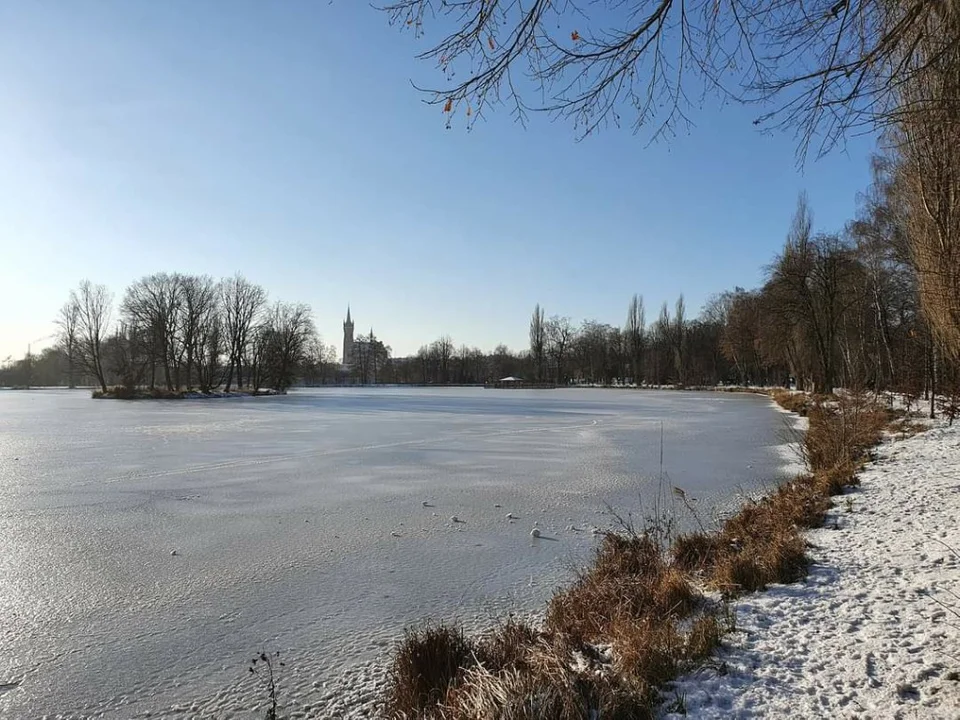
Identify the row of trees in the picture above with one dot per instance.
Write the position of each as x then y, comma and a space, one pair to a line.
836, 309
879, 303
176, 331
846, 309
672, 350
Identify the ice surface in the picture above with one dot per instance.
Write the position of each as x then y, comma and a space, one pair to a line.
298, 524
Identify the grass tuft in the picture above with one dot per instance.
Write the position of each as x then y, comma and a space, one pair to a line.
706, 633
647, 651
425, 666
694, 552
508, 647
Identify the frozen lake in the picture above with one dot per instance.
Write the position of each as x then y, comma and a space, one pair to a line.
281, 511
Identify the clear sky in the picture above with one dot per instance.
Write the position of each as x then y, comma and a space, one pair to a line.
284, 140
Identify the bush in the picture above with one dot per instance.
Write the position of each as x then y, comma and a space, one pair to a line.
841, 431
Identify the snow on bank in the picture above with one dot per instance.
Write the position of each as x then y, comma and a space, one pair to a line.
872, 631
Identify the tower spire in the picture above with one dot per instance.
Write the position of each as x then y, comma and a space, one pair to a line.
347, 340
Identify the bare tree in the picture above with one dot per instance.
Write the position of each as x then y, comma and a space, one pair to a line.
322, 362
538, 341
68, 323
559, 335
371, 357
93, 304
154, 303
662, 351
883, 247
242, 302
593, 352
825, 67
442, 351
678, 336
463, 364
740, 337
504, 363
290, 329
929, 144
257, 354
129, 352
635, 332
197, 309
209, 346
809, 289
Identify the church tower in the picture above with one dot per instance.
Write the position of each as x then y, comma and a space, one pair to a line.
348, 339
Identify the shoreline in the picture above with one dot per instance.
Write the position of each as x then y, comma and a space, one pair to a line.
114, 394
653, 607
872, 627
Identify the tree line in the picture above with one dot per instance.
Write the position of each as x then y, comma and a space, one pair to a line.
824, 69
174, 332
854, 308
836, 309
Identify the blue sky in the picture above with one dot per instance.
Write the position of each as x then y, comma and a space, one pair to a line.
284, 141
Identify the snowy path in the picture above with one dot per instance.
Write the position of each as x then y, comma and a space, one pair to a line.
867, 635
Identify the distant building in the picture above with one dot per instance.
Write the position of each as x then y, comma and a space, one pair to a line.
347, 359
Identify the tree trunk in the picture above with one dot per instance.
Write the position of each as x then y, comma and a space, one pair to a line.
933, 380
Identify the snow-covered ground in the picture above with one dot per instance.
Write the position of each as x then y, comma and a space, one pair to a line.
874, 631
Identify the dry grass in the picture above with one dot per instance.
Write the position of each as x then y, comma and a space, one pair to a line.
842, 431
763, 543
693, 552
630, 578
639, 599
509, 647
705, 635
548, 688
793, 401
426, 664
647, 651
759, 562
